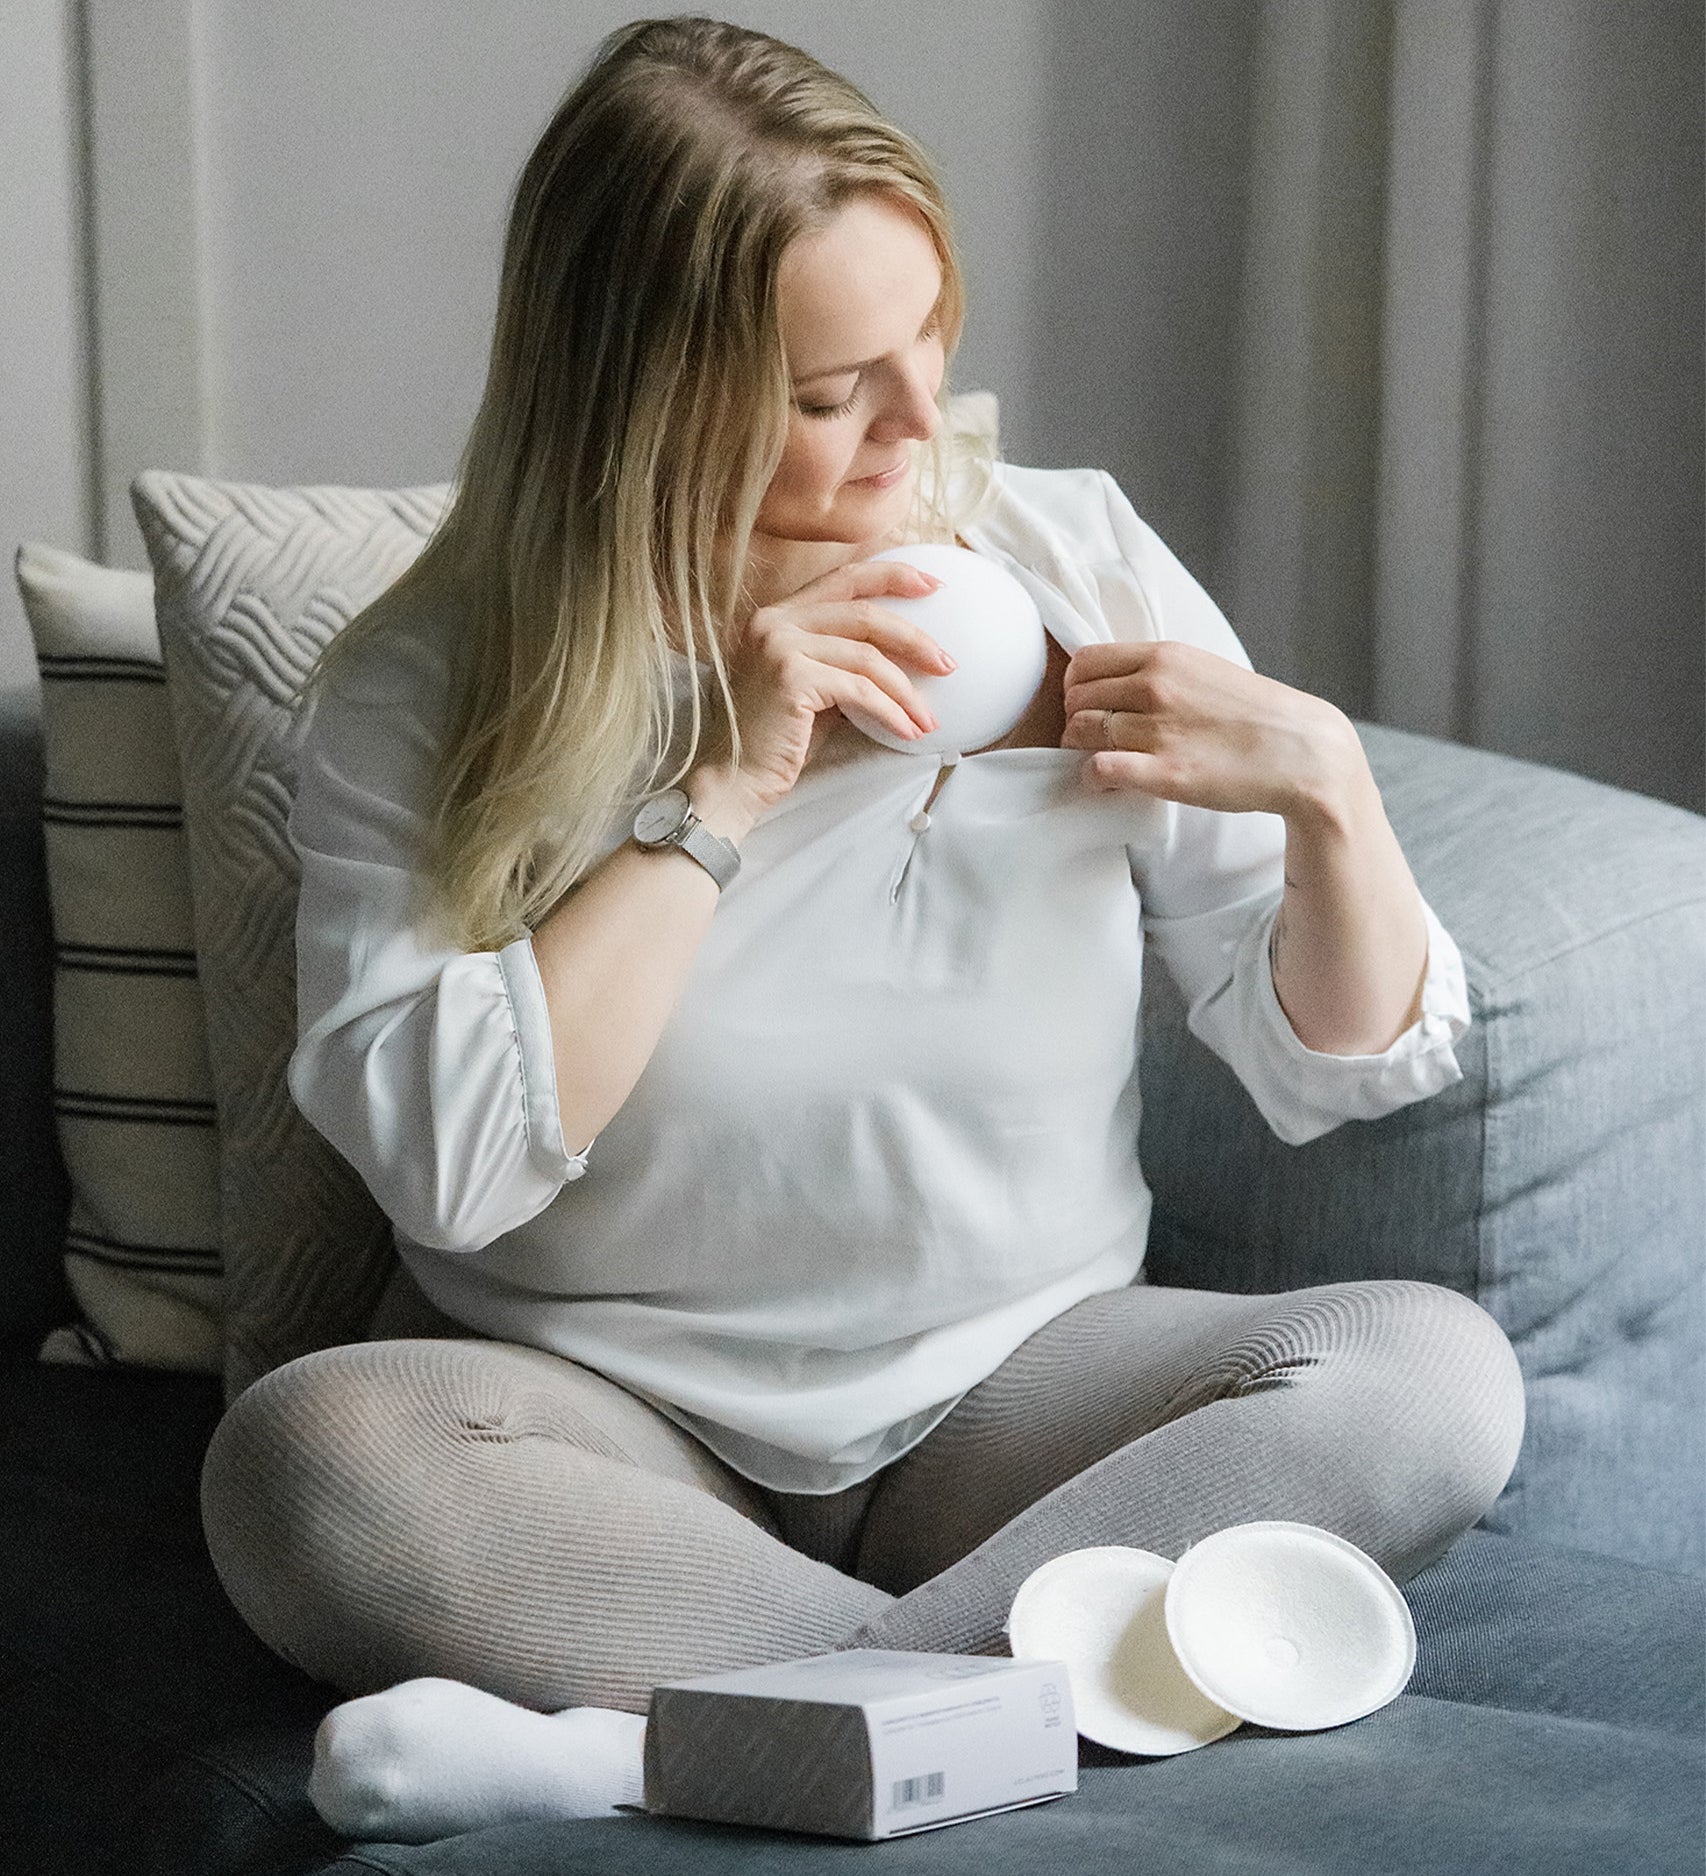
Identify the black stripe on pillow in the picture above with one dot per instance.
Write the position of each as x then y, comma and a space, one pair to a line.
132, 960
65, 668
78, 1103
111, 813
153, 1256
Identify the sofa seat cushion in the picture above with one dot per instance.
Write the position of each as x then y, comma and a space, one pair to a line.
1554, 1724
118, 1649
1549, 1184
1423, 1788
1554, 1721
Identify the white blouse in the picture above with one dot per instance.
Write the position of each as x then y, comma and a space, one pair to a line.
890, 1129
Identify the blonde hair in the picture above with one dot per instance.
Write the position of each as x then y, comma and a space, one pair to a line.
635, 410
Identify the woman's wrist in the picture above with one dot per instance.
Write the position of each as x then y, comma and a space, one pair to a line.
1342, 858
1332, 796
721, 801
1349, 950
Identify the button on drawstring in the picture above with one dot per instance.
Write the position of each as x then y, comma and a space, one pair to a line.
916, 826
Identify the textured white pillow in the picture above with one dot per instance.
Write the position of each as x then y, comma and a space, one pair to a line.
250, 583
132, 1094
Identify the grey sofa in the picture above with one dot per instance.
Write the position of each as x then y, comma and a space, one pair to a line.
1554, 1722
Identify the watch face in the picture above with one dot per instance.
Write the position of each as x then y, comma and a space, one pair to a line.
661, 815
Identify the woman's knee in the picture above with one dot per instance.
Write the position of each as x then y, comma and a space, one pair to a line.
319, 1483
388, 1510
1466, 1380
1430, 1386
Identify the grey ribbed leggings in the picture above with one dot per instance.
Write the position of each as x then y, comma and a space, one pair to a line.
492, 1513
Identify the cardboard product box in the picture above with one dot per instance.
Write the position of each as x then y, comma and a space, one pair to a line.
868, 1743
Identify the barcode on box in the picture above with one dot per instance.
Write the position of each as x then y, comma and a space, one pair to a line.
918, 1790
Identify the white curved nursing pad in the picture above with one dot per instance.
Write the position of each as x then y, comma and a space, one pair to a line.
989, 625
1101, 1611
1289, 1626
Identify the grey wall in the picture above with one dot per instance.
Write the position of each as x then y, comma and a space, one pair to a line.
356, 199
1417, 395
1590, 479
1139, 256
44, 463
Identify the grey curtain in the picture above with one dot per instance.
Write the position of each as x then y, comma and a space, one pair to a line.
1389, 315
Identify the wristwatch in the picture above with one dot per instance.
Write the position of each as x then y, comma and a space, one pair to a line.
668, 820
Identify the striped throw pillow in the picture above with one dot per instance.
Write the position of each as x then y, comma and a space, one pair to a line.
132, 1090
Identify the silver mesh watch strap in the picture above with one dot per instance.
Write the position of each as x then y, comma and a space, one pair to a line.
719, 857
653, 830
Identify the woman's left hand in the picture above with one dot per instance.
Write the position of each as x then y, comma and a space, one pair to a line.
1190, 726
1350, 945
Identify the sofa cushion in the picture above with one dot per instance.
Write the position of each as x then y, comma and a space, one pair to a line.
34, 1194
133, 1095
1559, 1182
118, 1648
1553, 1723
1422, 1789
250, 584
1553, 1726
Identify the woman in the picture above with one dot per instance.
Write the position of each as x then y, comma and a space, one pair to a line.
774, 1183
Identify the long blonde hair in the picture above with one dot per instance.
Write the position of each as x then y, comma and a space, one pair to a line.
635, 410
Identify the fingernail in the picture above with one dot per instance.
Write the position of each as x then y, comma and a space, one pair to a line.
949, 664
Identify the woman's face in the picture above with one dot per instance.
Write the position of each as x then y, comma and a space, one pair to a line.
857, 308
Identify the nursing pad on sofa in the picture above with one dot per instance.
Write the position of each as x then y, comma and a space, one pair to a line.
1289, 1626
1283, 1625
1101, 1611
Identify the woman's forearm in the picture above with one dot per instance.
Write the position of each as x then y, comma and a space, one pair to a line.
614, 954
1350, 945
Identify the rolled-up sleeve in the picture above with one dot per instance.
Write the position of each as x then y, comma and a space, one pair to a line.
1210, 897
430, 1069
1220, 959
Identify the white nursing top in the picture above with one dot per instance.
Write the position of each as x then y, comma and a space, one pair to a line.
890, 1129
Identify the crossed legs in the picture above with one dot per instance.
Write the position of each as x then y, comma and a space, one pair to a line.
485, 1513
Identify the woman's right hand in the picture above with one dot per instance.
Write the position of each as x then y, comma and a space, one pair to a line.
828, 644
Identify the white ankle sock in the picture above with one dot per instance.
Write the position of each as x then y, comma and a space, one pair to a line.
429, 1758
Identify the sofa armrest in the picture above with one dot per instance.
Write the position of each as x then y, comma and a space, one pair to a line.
33, 1191
1562, 1182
